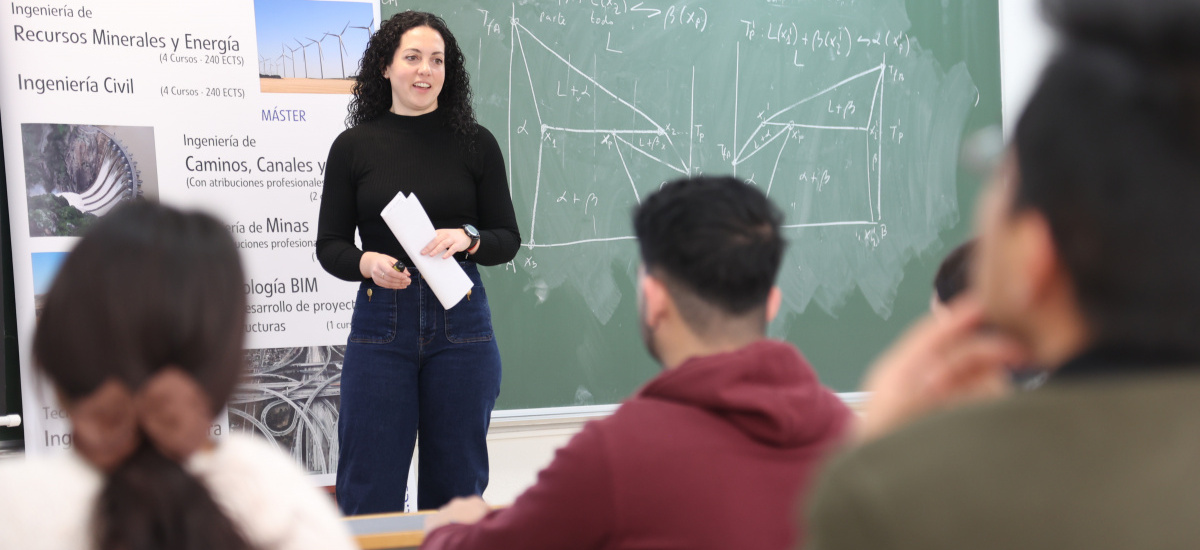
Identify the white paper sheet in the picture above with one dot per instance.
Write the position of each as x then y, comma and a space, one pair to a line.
410, 224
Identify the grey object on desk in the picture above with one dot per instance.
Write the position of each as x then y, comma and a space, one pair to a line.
374, 525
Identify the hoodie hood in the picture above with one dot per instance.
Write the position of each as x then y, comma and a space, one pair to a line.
766, 389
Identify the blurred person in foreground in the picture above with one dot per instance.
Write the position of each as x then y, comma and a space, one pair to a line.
141, 336
1085, 265
712, 452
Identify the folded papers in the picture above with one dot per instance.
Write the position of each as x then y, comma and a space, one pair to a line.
411, 225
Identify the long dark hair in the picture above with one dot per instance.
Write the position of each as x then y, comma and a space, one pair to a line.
149, 286
373, 93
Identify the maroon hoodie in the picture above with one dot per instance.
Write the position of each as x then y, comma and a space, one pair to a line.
712, 454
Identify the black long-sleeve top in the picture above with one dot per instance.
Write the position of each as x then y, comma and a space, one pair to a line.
457, 184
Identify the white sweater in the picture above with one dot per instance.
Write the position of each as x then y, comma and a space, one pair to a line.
47, 503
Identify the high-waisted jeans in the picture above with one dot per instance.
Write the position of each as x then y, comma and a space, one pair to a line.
413, 367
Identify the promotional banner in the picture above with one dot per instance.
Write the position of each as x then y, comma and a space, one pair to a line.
227, 106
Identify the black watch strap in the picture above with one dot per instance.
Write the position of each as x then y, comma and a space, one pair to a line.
472, 233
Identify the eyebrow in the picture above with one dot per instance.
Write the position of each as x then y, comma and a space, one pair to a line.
418, 50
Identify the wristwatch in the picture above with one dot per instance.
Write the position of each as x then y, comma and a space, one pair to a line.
473, 234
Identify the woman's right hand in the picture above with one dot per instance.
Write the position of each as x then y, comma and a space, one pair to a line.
378, 267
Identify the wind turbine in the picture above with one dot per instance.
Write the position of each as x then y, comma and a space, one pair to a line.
282, 66
262, 65
320, 54
367, 28
342, 45
294, 73
304, 52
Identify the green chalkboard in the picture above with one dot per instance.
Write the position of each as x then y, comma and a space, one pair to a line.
849, 113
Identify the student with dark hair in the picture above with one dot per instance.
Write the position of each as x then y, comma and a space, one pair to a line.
141, 336
710, 453
1085, 265
412, 366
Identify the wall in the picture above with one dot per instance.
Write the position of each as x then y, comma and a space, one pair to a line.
519, 448
1025, 42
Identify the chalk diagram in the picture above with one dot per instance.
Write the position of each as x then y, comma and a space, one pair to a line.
844, 116
790, 124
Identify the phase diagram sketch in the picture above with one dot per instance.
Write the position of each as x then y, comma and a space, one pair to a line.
834, 109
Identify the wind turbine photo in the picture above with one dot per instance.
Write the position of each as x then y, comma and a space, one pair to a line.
295, 25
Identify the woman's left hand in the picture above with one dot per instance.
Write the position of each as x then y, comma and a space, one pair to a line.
447, 242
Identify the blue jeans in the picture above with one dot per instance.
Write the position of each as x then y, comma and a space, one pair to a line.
412, 366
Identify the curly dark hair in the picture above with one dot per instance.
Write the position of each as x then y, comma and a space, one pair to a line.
373, 93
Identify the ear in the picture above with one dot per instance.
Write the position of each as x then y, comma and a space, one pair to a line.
387, 65
655, 299
774, 301
1042, 268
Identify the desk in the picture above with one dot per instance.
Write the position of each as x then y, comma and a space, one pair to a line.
388, 531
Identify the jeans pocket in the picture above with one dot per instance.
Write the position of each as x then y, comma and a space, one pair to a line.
374, 318
471, 319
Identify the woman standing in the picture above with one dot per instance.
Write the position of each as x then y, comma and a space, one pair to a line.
411, 366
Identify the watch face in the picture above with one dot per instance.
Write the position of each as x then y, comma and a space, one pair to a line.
471, 231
